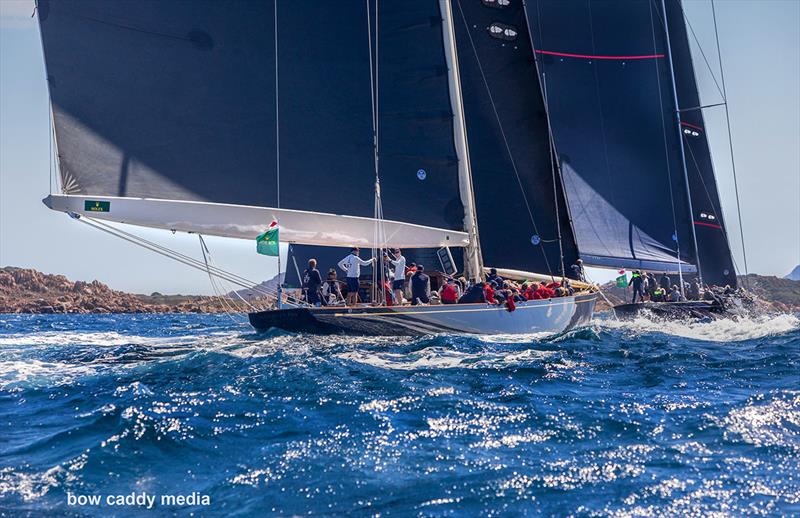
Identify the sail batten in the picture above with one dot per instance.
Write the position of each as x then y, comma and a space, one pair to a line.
246, 222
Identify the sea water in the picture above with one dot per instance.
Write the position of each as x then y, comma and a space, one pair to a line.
199, 415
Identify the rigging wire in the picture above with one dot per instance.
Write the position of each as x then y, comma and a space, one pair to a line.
379, 231
277, 120
503, 134
50, 144
241, 280
550, 146
177, 256
708, 196
555, 164
730, 144
666, 151
702, 53
209, 261
221, 299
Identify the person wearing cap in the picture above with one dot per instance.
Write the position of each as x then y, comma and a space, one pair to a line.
399, 283
495, 280
580, 273
351, 265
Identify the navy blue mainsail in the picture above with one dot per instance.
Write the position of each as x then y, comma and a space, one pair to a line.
177, 100
604, 67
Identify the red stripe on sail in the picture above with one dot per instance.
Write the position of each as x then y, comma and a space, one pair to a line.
703, 223
589, 56
691, 126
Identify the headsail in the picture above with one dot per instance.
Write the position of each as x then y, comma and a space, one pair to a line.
521, 210
171, 101
713, 248
609, 91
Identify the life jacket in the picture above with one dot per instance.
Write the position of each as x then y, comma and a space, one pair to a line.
543, 293
449, 293
488, 292
388, 294
510, 304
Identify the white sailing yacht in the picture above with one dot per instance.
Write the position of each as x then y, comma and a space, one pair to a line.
345, 122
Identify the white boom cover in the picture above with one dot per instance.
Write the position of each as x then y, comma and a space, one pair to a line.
246, 222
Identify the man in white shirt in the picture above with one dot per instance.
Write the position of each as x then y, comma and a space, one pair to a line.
399, 283
352, 266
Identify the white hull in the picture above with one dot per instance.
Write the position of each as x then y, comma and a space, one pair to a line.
536, 316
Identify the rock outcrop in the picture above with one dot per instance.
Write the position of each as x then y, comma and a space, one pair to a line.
29, 291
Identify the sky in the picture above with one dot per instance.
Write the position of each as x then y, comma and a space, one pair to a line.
760, 43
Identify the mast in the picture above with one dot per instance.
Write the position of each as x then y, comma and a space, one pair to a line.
683, 153
473, 260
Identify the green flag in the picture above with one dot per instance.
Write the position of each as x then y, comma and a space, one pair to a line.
267, 243
622, 281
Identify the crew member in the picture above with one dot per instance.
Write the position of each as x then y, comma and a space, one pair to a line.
311, 283
331, 293
543, 292
637, 282
675, 295
665, 282
420, 287
449, 293
580, 273
473, 294
495, 280
352, 266
652, 285
488, 293
399, 283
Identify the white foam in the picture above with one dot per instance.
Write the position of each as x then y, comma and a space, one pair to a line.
722, 330
36, 372
445, 358
65, 338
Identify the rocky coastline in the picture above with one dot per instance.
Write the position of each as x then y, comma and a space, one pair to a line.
25, 290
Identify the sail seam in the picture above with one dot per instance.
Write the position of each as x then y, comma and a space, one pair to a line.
598, 56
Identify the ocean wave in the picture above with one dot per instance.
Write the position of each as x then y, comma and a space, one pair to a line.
626, 419
722, 330
437, 357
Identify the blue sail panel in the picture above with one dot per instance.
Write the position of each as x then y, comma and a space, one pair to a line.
609, 95
177, 100
519, 198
